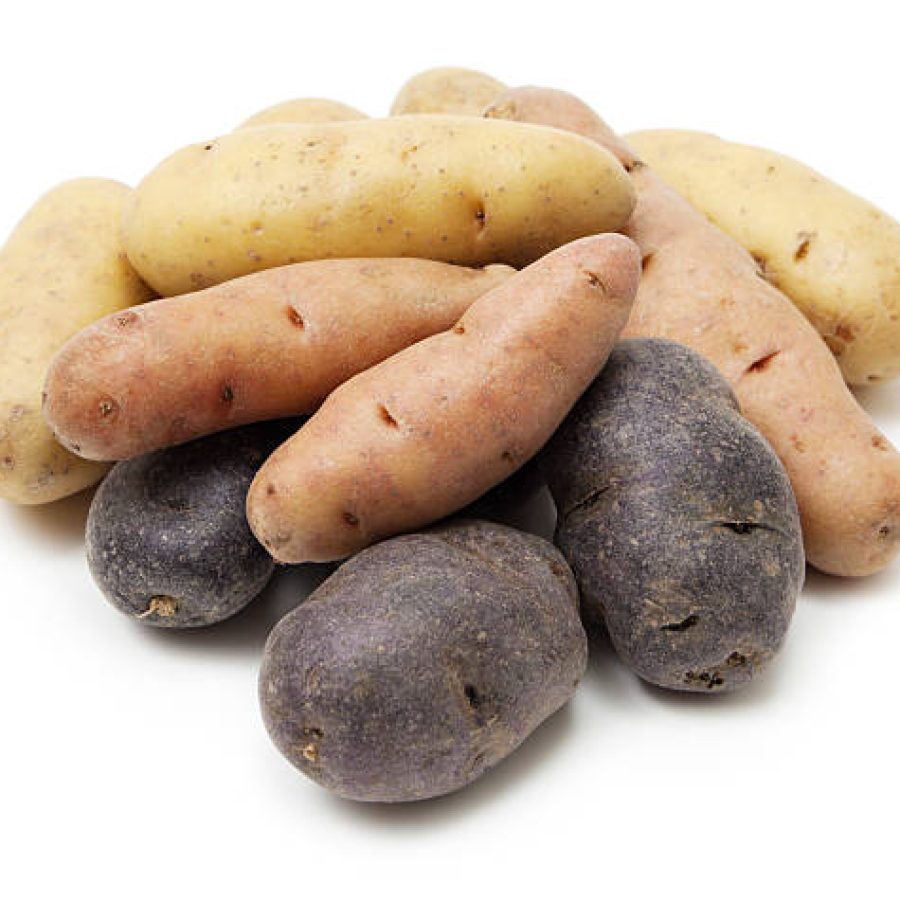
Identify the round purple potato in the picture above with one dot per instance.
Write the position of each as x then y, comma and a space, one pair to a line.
423, 661
167, 537
677, 518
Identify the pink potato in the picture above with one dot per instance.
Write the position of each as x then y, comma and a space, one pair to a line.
264, 346
435, 426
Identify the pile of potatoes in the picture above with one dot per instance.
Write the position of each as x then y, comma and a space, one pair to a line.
329, 338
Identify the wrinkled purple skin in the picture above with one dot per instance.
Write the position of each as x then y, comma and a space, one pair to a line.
167, 537
423, 661
678, 520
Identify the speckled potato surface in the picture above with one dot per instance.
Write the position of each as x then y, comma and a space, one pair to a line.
303, 110
266, 346
463, 92
677, 518
63, 267
423, 661
167, 540
701, 288
433, 427
453, 189
834, 254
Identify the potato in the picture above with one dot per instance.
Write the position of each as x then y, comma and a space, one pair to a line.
63, 267
702, 289
451, 189
265, 346
303, 110
677, 518
167, 540
462, 92
834, 254
423, 661
429, 430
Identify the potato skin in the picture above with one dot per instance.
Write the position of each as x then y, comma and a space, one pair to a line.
453, 189
167, 540
463, 92
266, 346
62, 267
431, 429
833, 253
303, 110
423, 661
702, 289
677, 519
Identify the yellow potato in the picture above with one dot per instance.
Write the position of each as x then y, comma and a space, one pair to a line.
833, 253
450, 188
304, 110
447, 90
63, 267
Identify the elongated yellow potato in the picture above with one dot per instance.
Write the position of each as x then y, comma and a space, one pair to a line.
453, 189
447, 89
63, 267
834, 254
303, 110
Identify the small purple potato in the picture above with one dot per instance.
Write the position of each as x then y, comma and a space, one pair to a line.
677, 519
423, 661
168, 543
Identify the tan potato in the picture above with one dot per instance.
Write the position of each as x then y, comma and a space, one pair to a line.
702, 289
463, 92
833, 253
454, 189
265, 346
435, 426
304, 110
63, 267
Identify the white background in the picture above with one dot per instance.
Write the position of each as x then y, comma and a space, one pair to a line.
134, 764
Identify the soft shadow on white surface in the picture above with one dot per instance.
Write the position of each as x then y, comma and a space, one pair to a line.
61, 523
522, 764
832, 588
879, 401
246, 632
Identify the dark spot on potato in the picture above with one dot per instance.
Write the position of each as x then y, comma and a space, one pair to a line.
764, 270
845, 332
480, 216
459, 328
271, 490
126, 319
740, 527
646, 259
350, 519
472, 696
107, 407
709, 680
683, 625
736, 659
884, 531
804, 239
762, 363
591, 499
386, 417
8, 462
507, 457
595, 281
879, 442
295, 317
227, 393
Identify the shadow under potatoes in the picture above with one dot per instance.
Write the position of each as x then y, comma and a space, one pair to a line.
60, 524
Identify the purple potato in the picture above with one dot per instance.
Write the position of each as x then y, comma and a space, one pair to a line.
677, 518
423, 661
